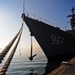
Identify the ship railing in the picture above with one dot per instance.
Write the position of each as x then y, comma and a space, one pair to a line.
41, 19
38, 18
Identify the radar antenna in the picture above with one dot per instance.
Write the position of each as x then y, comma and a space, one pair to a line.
72, 20
72, 10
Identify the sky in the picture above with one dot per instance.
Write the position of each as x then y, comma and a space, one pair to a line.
10, 17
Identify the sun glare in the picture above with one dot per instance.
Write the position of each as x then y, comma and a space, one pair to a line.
7, 32
5, 25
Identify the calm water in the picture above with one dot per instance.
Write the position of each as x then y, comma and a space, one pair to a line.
20, 65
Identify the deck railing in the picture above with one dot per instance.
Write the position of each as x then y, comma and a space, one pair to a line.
38, 18
28, 14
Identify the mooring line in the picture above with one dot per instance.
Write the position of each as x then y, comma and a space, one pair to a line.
4, 68
7, 48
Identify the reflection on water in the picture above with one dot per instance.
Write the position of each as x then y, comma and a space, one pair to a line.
20, 65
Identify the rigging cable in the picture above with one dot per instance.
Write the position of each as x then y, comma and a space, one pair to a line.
20, 41
23, 6
22, 27
19, 49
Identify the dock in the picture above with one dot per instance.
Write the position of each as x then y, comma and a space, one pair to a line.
65, 69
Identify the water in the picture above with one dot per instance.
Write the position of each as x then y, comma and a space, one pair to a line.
20, 65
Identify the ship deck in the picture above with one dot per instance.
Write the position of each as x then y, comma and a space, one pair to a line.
65, 69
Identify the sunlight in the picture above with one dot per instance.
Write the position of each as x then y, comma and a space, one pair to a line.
6, 28
8, 31
3, 23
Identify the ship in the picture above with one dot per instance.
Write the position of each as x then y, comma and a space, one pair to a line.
57, 44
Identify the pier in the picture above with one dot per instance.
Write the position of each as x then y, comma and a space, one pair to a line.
65, 69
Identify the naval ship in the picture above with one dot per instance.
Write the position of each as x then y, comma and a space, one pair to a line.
57, 44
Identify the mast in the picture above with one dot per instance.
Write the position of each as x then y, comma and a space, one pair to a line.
72, 20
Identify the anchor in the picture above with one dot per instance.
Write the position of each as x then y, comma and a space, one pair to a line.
31, 53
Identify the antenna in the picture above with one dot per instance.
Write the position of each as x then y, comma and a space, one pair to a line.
72, 20
72, 10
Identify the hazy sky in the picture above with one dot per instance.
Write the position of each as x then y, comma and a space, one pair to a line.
10, 17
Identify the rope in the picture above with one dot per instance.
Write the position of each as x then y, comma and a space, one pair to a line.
7, 48
8, 61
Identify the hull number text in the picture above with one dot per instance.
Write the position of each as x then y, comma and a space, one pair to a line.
56, 39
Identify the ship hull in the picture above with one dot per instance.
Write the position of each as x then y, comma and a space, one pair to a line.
58, 45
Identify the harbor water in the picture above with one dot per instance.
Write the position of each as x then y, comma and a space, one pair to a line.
21, 65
